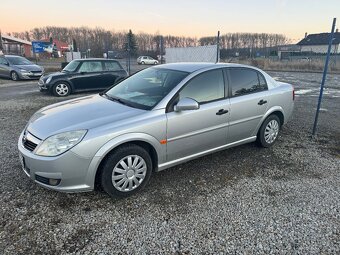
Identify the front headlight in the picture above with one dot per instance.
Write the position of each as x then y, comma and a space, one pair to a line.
60, 143
24, 71
48, 79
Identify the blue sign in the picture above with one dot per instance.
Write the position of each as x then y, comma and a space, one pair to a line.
39, 47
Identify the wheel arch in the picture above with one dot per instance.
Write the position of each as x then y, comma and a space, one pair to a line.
277, 110
149, 143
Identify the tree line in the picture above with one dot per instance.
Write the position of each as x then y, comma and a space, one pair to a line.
100, 40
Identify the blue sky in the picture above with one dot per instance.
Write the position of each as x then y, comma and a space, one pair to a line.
185, 17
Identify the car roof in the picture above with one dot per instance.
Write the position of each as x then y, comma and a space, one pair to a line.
195, 66
98, 59
12, 56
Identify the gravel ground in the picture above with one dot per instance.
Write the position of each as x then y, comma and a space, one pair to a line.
245, 200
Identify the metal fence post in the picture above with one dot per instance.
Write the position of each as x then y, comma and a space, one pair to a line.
324, 76
129, 56
161, 49
218, 47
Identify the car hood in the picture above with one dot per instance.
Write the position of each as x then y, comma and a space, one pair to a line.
29, 67
56, 74
81, 113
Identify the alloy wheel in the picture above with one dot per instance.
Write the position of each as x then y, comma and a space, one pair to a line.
62, 89
14, 76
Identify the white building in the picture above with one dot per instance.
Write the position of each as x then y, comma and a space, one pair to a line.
318, 43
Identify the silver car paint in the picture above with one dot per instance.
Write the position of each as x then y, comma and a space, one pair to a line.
111, 124
5, 70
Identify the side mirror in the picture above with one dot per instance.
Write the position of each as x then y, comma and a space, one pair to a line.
7, 64
185, 104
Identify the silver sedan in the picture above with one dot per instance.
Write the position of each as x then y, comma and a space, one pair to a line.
155, 119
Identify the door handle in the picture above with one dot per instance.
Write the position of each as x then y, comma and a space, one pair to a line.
222, 111
261, 102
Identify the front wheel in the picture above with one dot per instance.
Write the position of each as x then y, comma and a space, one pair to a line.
155, 63
126, 171
269, 131
14, 76
143, 63
61, 89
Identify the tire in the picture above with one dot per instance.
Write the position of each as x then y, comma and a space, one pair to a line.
61, 89
143, 63
269, 131
14, 76
155, 63
120, 179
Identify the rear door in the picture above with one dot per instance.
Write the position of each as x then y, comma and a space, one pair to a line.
248, 102
89, 76
195, 131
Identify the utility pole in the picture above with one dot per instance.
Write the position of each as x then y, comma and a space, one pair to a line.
324, 76
218, 47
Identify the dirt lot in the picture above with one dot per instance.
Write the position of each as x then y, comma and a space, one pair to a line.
245, 200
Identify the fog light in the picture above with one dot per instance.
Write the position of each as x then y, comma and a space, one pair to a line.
53, 182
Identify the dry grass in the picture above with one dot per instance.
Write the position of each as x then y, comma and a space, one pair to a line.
305, 66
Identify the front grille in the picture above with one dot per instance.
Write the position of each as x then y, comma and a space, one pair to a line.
35, 71
41, 179
29, 145
29, 141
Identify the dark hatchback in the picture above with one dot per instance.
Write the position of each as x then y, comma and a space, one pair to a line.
83, 75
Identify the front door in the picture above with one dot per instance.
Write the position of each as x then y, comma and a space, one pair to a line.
89, 76
194, 131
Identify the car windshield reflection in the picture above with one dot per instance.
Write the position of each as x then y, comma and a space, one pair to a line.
147, 88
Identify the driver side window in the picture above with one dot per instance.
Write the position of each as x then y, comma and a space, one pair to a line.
91, 66
206, 87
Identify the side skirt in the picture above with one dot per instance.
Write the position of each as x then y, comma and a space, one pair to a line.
203, 153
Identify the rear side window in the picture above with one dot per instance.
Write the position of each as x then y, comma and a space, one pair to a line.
205, 87
246, 81
111, 66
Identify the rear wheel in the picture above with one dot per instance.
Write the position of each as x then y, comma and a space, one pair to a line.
143, 63
61, 89
269, 131
14, 76
126, 171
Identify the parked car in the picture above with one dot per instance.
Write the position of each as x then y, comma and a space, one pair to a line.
19, 68
155, 119
82, 75
146, 60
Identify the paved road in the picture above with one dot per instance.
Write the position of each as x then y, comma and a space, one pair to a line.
12, 89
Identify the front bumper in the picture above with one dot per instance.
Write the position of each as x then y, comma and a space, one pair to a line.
43, 86
29, 76
71, 169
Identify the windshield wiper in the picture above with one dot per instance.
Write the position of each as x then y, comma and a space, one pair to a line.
116, 99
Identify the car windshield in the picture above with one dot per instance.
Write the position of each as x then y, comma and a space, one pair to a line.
18, 61
71, 67
146, 88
